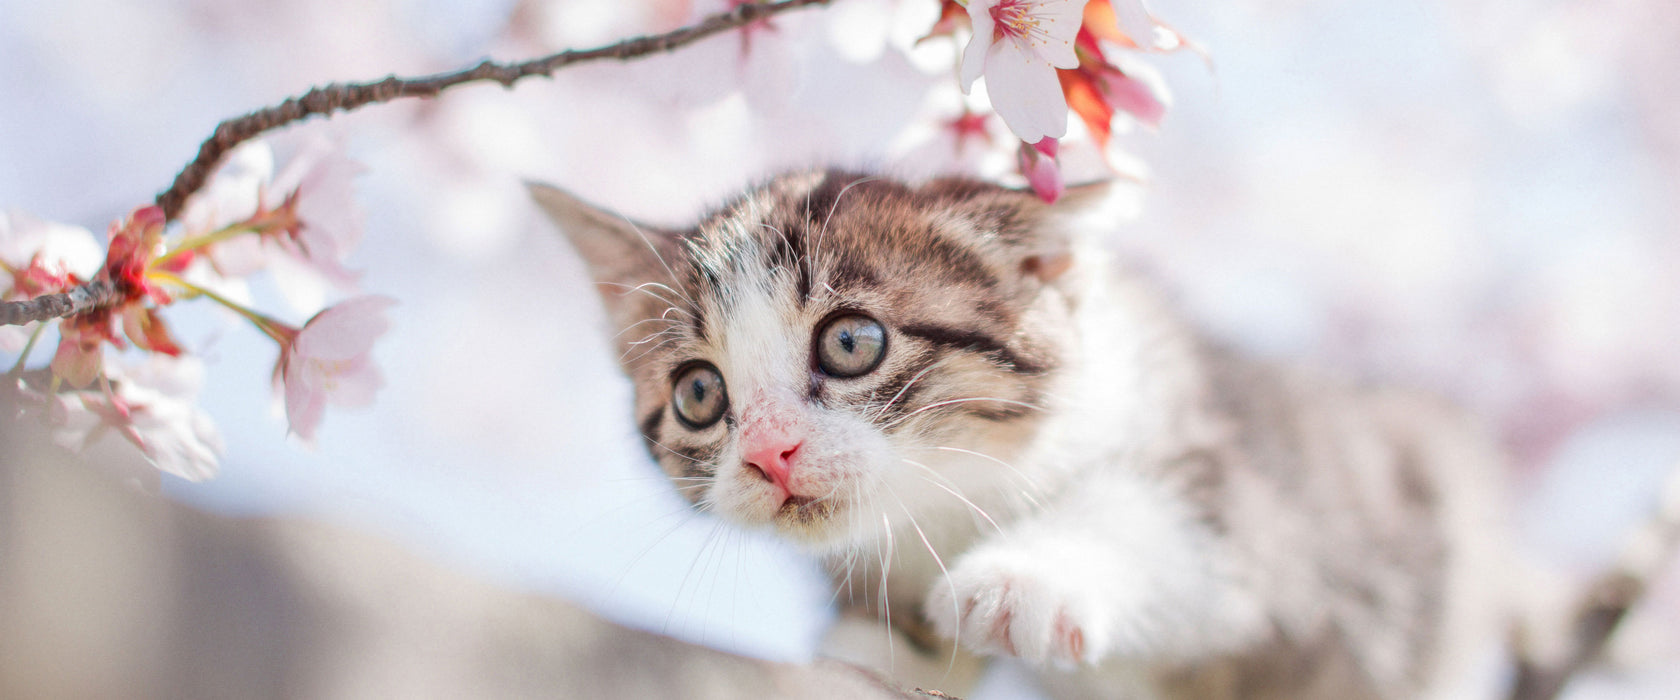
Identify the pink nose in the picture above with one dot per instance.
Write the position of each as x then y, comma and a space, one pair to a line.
773, 458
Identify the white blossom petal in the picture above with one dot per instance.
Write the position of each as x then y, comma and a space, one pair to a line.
1027, 96
974, 55
346, 329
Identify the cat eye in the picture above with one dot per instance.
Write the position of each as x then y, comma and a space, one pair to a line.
851, 345
698, 396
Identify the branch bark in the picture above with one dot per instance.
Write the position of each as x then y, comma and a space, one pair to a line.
1607, 601
83, 298
343, 97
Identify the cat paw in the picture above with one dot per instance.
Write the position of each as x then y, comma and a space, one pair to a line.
995, 603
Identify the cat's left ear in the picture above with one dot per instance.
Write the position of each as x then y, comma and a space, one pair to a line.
620, 253
1053, 253
1082, 198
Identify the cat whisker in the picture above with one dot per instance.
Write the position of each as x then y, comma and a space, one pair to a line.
950, 490
645, 352
674, 292
679, 454
816, 253
788, 242
956, 611
625, 570
1034, 485
825, 496
643, 289
657, 319
950, 402
711, 537
918, 376
656, 254
668, 332
886, 569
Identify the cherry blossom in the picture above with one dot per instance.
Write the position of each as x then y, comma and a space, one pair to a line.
81, 347
153, 406
135, 244
326, 223
40, 257
305, 218
1131, 93
1018, 45
1038, 164
327, 360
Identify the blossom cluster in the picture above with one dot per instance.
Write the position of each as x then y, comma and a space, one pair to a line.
299, 225
1042, 58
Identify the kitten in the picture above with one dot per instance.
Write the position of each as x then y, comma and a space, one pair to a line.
1001, 444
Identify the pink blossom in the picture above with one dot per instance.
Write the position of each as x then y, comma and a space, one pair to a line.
81, 347
1018, 45
305, 213
1134, 19
154, 406
327, 361
1134, 92
40, 257
1038, 164
318, 187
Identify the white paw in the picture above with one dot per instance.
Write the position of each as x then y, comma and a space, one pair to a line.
1010, 603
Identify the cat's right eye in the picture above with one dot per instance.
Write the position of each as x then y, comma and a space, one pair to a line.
698, 396
851, 345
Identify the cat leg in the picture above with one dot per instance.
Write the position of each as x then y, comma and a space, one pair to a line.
1118, 567
912, 661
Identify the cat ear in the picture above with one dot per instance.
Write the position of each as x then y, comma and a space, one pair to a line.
1082, 198
1053, 254
620, 253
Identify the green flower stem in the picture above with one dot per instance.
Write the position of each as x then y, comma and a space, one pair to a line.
206, 240
280, 332
27, 347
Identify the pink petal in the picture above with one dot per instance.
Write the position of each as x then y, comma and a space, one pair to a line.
1047, 146
77, 365
324, 178
239, 256
1026, 93
1135, 21
1042, 174
1060, 20
303, 405
974, 55
356, 385
346, 329
1132, 96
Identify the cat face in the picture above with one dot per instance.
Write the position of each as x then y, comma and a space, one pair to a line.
832, 350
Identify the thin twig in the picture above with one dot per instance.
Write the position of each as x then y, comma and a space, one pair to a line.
1608, 600
83, 298
343, 97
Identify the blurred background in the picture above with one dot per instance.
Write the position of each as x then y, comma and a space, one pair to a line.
1475, 196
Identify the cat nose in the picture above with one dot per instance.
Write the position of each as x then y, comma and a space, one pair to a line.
773, 459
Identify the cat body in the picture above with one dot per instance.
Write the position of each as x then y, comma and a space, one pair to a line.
1002, 444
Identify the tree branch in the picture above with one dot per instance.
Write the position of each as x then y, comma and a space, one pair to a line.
83, 298
343, 97
1608, 600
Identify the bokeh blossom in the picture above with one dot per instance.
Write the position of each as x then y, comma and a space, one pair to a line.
304, 218
152, 404
327, 361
